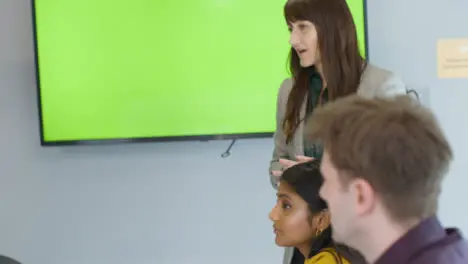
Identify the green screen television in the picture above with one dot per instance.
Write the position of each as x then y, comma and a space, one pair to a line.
150, 70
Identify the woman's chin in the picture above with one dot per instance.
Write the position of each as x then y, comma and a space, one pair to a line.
281, 243
306, 64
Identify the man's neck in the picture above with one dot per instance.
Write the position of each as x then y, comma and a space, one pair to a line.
380, 238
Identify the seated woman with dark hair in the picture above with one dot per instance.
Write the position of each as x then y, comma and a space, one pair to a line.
301, 219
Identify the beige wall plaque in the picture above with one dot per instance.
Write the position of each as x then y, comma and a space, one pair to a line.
452, 58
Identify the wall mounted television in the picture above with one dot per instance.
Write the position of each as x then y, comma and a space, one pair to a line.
150, 70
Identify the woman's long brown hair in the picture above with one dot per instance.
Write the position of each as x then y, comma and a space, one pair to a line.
338, 47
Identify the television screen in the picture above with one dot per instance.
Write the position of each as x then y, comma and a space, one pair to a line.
161, 70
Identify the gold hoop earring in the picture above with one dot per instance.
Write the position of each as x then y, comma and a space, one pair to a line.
318, 232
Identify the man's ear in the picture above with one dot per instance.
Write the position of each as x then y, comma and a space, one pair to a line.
365, 197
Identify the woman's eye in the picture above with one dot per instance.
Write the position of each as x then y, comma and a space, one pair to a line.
286, 206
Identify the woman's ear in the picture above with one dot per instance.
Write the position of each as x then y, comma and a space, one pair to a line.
323, 220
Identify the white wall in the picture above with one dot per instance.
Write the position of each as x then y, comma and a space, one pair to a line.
126, 203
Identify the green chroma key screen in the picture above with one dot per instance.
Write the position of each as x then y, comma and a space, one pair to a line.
115, 69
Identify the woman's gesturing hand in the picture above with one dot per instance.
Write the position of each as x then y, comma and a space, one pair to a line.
288, 163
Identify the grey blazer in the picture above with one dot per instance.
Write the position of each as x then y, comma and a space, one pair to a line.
375, 82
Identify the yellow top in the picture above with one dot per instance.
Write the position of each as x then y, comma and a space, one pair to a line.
326, 256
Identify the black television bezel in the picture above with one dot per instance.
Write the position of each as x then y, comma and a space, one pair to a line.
207, 137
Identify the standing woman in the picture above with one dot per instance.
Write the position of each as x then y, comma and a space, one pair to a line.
326, 64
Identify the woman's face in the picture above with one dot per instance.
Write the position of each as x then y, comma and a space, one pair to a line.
292, 223
304, 41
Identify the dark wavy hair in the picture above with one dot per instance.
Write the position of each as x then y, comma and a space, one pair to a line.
305, 179
338, 47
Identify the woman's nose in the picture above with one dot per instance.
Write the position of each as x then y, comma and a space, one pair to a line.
293, 39
273, 214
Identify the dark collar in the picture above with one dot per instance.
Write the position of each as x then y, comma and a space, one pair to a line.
417, 239
313, 71
315, 80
